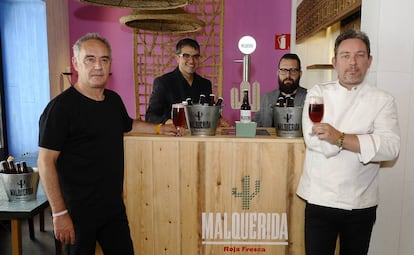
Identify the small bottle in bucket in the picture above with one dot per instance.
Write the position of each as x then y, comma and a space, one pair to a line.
12, 167
5, 167
25, 169
202, 100
219, 101
211, 100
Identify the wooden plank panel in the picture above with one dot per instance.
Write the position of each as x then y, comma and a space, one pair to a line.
252, 183
190, 195
296, 206
165, 196
214, 195
137, 194
217, 175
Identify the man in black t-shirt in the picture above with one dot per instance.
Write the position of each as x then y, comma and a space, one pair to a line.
80, 160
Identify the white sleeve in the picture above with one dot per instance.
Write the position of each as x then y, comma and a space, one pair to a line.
384, 143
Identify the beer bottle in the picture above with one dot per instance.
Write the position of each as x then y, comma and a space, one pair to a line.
211, 99
5, 167
24, 167
18, 168
245, 109
189, 101
290, 102
202, 100
280, 102
12, 167
219, 101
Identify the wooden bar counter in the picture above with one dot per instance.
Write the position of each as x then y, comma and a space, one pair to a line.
220, 194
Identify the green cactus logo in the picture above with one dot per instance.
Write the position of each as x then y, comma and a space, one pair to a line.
245, 193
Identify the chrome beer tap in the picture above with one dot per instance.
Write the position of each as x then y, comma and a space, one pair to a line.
247, 45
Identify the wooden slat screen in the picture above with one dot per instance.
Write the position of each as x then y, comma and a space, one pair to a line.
154, 52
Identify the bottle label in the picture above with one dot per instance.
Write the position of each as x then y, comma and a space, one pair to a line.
245, 116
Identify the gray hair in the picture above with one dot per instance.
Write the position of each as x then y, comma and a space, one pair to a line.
90, 36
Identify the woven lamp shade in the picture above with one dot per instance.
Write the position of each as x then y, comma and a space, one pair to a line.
141, 4
173, 20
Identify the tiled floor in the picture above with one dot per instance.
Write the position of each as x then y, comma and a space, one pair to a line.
42, 245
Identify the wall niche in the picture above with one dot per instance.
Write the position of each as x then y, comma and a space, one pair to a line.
312, 16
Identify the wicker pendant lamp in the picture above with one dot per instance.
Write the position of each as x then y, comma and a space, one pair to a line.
155, 15
141, 4
174, 21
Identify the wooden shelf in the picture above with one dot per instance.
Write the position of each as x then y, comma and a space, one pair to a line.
320, 66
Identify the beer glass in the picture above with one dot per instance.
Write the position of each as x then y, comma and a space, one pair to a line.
316, 108
178, 115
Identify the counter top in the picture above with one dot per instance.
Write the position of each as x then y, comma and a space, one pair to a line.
228, 134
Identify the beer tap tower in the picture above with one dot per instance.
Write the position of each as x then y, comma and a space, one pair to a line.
247, 45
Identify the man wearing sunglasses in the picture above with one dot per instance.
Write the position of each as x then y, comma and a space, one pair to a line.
289, 93
180, 84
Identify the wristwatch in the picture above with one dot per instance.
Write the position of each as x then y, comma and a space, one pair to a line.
340, 140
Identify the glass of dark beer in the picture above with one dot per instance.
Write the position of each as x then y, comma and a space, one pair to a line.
316, 108
178, 115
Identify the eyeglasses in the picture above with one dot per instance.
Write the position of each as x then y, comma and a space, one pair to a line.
187, 56
91, 60
284, 71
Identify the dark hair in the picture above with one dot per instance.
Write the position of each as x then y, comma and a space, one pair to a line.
186, 42
352, 34
291, 56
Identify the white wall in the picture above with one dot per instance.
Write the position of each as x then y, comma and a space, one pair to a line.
317, 50
392, 39
388, 24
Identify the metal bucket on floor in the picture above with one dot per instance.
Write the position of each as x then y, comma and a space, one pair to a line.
202, 120
21, 187
288, 121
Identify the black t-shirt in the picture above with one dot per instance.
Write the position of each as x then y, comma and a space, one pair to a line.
89, 135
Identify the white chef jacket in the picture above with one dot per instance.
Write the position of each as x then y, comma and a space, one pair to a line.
345, 179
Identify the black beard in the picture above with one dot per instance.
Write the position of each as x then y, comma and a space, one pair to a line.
288, 88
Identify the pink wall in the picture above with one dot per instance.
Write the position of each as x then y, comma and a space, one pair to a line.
261, 19
85, 18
